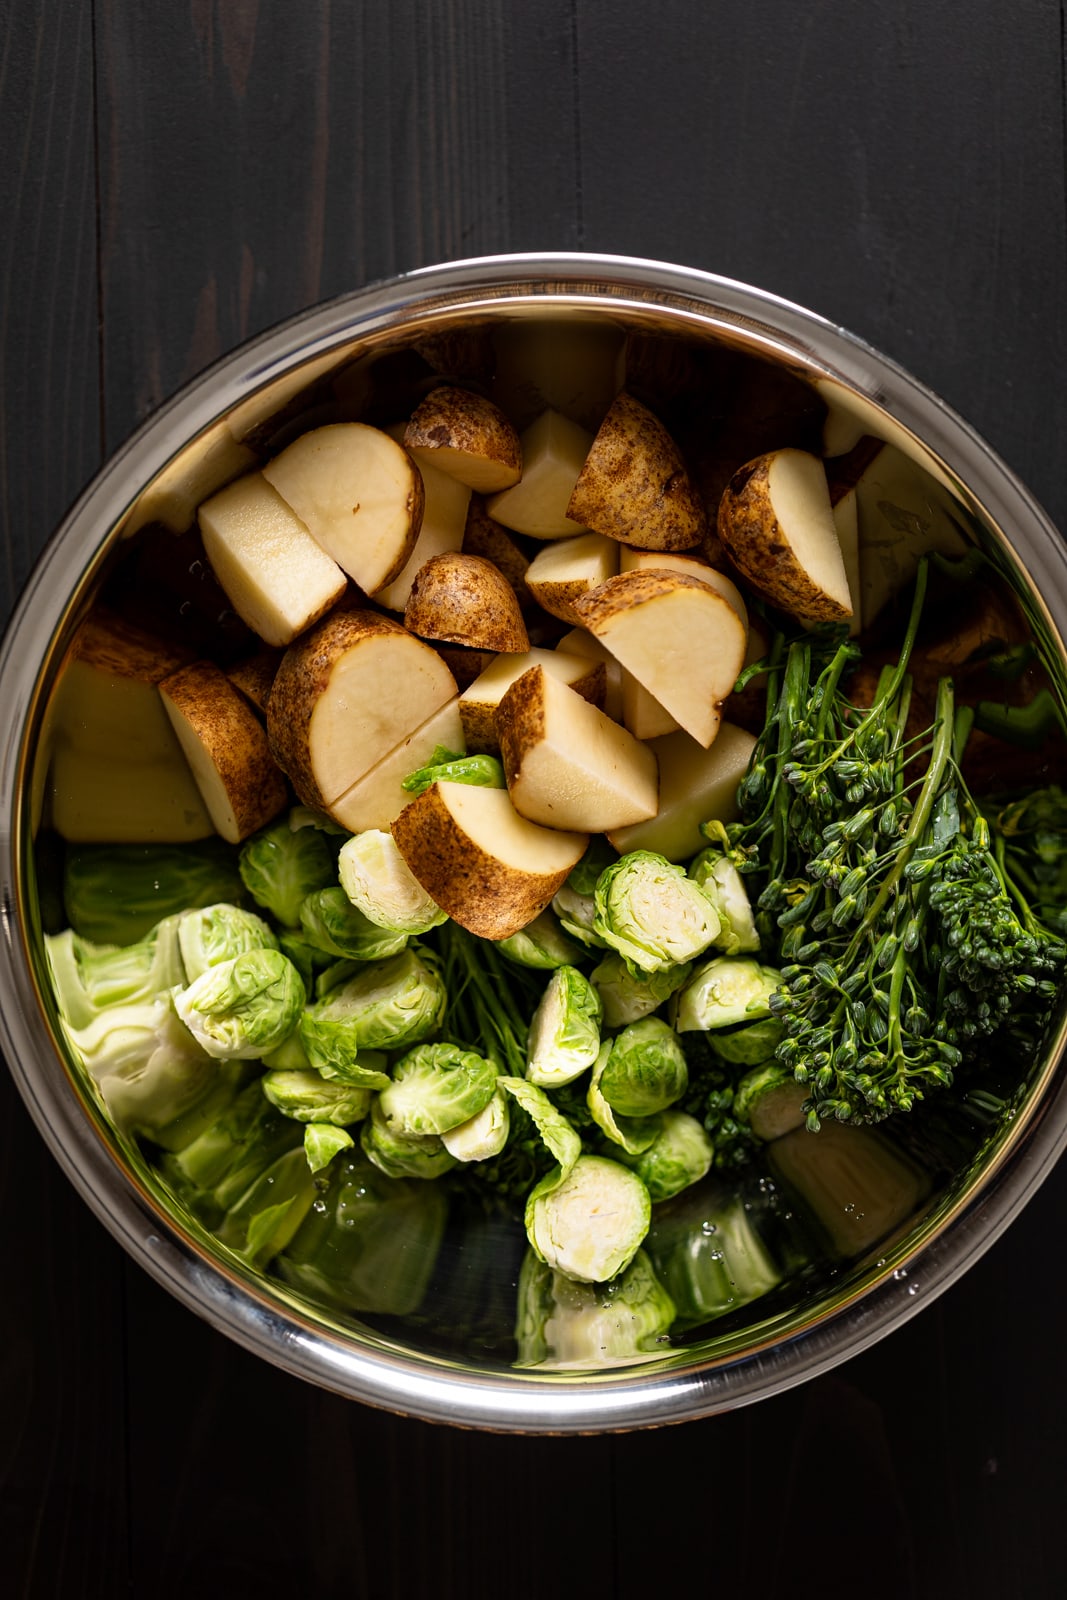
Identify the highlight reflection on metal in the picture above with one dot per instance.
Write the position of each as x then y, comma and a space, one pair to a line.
199, 440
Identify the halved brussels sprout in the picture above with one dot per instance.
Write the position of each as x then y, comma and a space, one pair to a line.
436, 1087
337, 927
680, 1154
243, 1008
722, 992
307, 1096
591, 1225
651, 913
646, 1070
218, 933
564, 1034
577, 915
381, 885
402, 1155
632, 1134
721, 881
627, 996
748, 1045
387, 1005
542, 944
563, 1325
482, 1136
280, 866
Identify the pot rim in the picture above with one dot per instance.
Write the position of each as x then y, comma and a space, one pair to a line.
234, 1301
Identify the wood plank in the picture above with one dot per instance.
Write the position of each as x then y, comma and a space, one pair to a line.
900, 172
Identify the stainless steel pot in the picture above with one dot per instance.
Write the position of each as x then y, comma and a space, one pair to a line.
194, 444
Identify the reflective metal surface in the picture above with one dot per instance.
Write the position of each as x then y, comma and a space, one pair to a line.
198, 441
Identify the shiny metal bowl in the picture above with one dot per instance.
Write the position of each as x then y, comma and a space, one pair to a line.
449, 1365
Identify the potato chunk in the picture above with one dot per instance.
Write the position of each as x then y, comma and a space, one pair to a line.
227, 750
276, 577
695, 786
553, 454
634, 486
345, 694
479, 701
568, 568
567, 765
444, 519
359, 494
464, 600
776, 521
466, 436
681, 639
378, 797
489, 868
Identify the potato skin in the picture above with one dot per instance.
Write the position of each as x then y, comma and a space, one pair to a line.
455, 419
233, 737
520, 720
477, 891
634, 486
630, 589
758, 547
463, 599
484, 537
301, 679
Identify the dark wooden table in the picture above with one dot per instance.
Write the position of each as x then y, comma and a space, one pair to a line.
175, 178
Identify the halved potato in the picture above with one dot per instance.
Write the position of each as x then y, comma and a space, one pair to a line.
553, 454
444, 519
478, 703
634, 486
464, 600
227, 750
680, 638
466, 436
346, 693
378, 797
568, 568
359, 494
491, 870
254, 676
695, 786
776, 521
669, 561
117, 771
579, 642
566, 764
278, 579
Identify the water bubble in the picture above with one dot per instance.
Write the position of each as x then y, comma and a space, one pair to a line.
899, 1275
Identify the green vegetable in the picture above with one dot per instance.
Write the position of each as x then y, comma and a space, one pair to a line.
746, 1044
447, 766
387, 1004
632, 1134
645, 1070
484, 1135
435, 1087
680, 1155
590, 1225
323, 1141
281, 865
218, 933
721, 881
309, 1097
380, 884
399, 1154
904, 939
577, 915
89, 978
116, 893
627, 996
725, 991
566, 1326
332, 923
564, 1034
243, 1008
651, 913
542, 944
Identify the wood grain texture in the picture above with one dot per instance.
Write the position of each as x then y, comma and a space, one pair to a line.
900, 171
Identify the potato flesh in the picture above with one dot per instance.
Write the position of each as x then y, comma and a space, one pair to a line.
800, 500
276, 577
631, 560
580, 642
227, 750
377, 798
678, 637
568, 765
565, 570
358, 493
642, 713
478, 703
695, 786
491, 870
553, 454
385, 685
775, 519
444, 518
